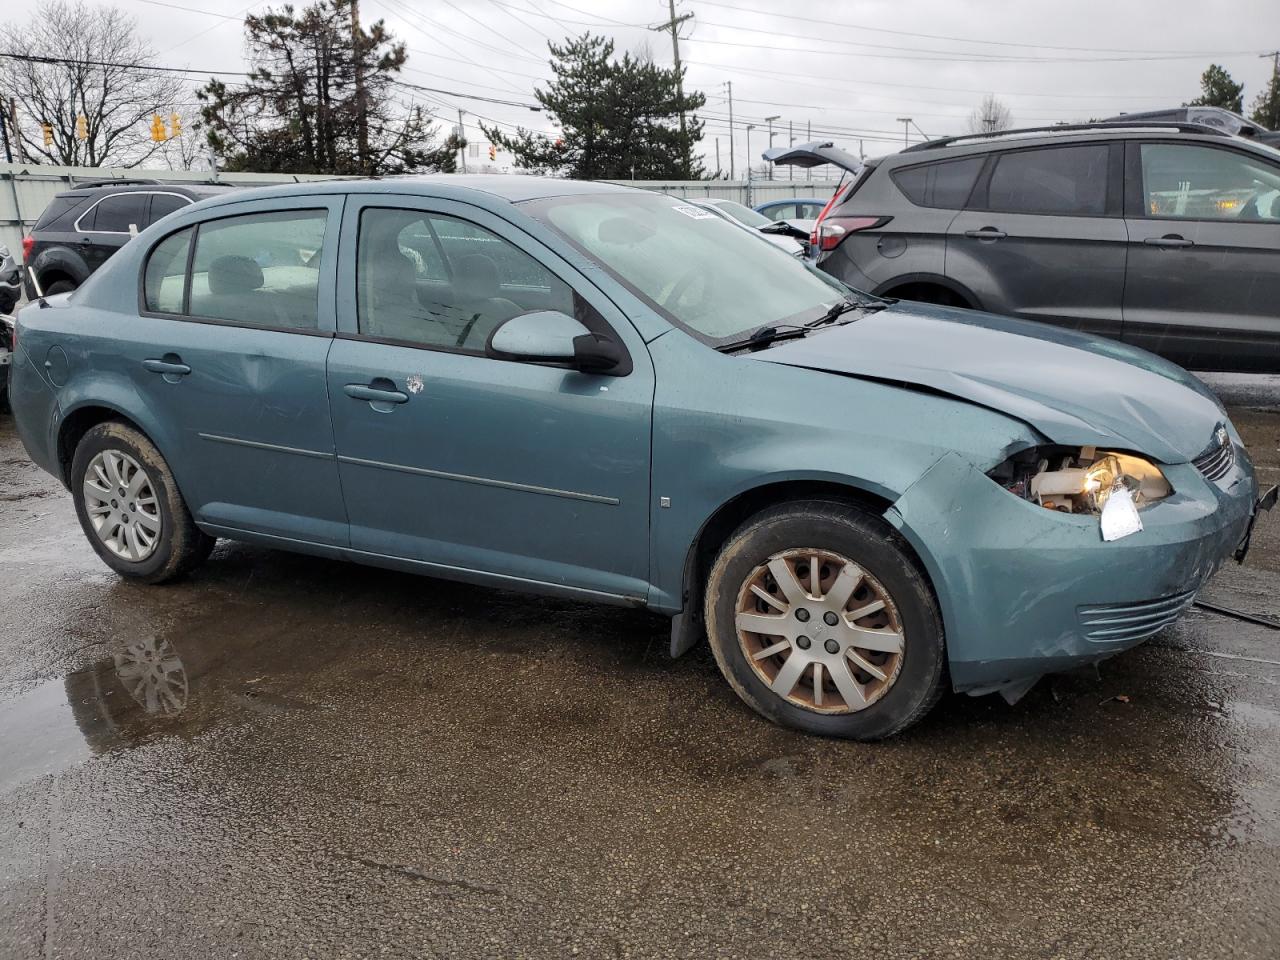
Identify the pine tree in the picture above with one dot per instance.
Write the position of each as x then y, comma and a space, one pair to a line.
618, 119
1219, 90
1266, 106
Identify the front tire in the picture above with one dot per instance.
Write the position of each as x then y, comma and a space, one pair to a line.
821, 621
130, 508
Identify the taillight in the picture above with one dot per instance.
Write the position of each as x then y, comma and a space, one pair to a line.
27, 244
831, 231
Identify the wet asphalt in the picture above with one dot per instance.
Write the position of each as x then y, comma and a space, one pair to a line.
335, 761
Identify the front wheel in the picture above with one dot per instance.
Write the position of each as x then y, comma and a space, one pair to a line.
130, 508
820, 620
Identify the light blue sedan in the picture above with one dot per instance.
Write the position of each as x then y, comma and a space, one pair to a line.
598, 392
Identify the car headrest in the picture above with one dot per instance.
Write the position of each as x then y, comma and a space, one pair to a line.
476, 278
234, 275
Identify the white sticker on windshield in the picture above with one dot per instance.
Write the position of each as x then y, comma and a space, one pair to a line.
697, 213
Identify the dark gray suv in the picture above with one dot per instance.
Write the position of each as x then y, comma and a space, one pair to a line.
1166, 236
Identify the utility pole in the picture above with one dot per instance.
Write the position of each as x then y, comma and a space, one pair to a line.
4, 134
362, 108
673, 25
717, 158
729, 84
462, 141
17, 131
808, 173
770, 120
750, 127
906, 128
791, 142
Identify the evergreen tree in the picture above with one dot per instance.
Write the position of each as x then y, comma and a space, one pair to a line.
302, 109
1266, 106
1219, 90
618, 118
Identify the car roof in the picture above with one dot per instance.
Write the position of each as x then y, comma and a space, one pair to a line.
775, 203
194, 190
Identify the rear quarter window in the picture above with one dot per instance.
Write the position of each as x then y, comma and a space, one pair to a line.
59, 207
944, 183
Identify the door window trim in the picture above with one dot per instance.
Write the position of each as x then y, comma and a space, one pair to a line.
146, 209
326, 204
1113, 204
434, 206
1136, 187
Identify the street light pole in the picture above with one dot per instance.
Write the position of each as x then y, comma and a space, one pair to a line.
769, 120
906, 128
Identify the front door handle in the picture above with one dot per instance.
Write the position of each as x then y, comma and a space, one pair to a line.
986, 233
1169, 240
363, 391
171, 366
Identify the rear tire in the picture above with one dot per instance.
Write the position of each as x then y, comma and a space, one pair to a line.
821, 580
59, 286
130, 508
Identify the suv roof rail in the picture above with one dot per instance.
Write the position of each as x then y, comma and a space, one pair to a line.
1179, 126
114, 182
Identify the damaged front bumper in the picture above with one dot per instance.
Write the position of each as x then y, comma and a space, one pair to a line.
1027, 591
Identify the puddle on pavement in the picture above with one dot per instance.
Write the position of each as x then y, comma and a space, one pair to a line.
136, 694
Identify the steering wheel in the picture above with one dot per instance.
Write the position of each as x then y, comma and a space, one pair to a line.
685, 284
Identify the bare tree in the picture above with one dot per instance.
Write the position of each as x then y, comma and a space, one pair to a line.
990, 116
73, 60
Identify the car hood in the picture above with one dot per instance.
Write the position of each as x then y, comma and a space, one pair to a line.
1074, 389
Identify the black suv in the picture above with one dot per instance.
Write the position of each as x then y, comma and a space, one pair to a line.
1164, 235
81, 228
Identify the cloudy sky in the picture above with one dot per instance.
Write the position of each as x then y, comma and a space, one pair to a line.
849, 69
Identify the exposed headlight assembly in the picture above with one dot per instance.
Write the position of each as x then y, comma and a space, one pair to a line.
1080, 479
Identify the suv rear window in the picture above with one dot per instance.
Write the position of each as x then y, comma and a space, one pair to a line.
57, 207
944, 183
1067, 181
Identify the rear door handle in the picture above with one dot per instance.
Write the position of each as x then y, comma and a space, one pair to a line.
362, 391
1169, 240
173, 368
986, 233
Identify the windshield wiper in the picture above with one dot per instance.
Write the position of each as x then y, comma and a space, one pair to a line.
838, 309
765, 336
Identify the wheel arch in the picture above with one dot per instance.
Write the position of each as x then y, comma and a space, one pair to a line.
79, 421
930, 279
687, 628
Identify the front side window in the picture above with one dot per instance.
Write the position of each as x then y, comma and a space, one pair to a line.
116, 214
1205, 183
260, 270
165, 280
1063, 181
437, 281
706, 275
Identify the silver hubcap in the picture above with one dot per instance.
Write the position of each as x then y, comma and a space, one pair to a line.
122, 506
820, 631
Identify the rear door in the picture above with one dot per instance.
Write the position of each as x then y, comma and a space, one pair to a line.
110, 224
1043, 236
469, 465
235, 325
1203, 282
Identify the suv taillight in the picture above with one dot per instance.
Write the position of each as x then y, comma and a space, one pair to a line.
831, 231
27, 244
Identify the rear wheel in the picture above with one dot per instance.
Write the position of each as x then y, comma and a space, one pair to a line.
930, 293
59, 286
130, 508
820, 619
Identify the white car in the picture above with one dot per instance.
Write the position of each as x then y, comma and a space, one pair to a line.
773, 231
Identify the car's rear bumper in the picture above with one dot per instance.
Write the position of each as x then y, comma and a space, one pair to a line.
1026, 591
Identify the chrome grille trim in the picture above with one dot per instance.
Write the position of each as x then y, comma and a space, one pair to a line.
1109, 623
1217, 461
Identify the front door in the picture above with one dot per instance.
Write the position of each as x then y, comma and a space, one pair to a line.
1043, 237
473, 467
229, 352
1203, 282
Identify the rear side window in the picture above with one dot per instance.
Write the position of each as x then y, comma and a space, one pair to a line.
1066, 181
165, 281
946, 183
57, 208
116, 214
163, 204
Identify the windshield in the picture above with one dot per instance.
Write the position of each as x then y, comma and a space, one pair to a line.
701, 272
744, 215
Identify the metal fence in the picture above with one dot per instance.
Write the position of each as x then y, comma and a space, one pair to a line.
26, 189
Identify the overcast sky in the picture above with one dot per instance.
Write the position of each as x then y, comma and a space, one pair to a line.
849, 68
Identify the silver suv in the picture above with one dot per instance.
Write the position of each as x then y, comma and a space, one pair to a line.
1163, 235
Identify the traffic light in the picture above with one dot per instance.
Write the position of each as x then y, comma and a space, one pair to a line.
82, 127
175, 126
493, 152
46, 130
157, 128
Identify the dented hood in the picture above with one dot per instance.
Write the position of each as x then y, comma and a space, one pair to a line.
1074, 389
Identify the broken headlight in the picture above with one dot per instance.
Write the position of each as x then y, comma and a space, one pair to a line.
1079, 479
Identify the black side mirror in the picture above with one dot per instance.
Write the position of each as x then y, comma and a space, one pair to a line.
596, 353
